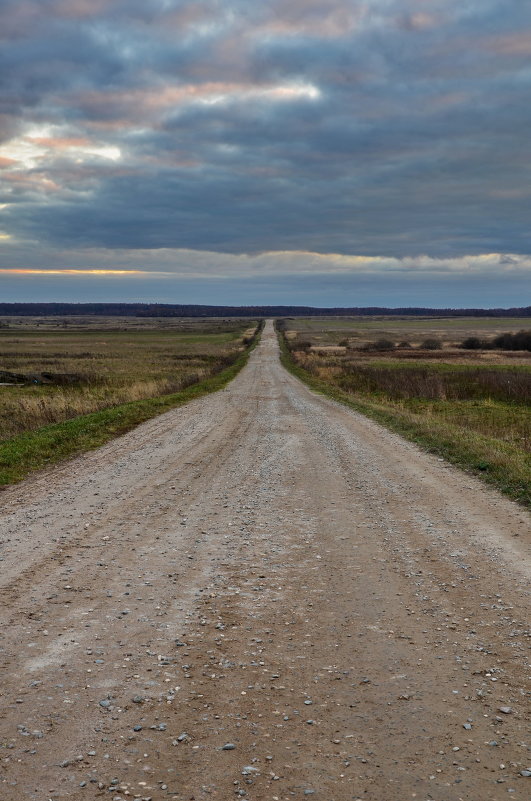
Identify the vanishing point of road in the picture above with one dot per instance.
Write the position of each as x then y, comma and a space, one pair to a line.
263, 595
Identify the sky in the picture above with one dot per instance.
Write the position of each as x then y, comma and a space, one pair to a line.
316, 152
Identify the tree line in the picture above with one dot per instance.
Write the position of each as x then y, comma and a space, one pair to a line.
199, 310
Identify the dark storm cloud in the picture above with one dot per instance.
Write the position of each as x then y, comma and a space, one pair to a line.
388, 128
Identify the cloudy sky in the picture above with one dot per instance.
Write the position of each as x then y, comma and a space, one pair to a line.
266, 151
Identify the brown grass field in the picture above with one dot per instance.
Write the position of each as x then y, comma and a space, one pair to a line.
472, 406
53, 369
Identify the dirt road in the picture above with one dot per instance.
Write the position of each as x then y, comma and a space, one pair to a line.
263, 595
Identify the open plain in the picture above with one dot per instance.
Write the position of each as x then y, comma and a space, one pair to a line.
263, 595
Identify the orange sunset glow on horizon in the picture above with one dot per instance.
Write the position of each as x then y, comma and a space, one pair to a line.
20, 271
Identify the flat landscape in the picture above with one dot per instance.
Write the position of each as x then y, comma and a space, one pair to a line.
55, 369
263, 594
451, 329
443, 383
68, 385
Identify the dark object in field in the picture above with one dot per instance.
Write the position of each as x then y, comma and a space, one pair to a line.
431, 344
58, 379
380, 344
62, 379
12, 378
519, 341
475, 343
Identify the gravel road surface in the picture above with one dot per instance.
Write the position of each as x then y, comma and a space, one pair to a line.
263, 595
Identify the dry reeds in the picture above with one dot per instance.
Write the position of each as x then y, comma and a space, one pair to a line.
64, 378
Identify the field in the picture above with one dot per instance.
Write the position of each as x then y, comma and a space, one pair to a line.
331, 330
66, 371
69, 385
470, 406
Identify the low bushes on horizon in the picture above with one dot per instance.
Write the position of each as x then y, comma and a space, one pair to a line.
519, 341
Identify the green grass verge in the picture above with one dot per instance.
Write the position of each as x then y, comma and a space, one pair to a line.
494, 461
51, 444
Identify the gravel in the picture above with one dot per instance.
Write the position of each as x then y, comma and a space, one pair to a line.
324, 561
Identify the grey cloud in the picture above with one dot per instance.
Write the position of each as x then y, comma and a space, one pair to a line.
391, 128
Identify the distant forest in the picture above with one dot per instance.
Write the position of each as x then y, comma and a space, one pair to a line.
175, 310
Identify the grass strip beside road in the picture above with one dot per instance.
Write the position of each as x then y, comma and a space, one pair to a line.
496, 462
51, 444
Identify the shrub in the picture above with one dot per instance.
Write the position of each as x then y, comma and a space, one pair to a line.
431, 344
473, 343
380, 344
519, 341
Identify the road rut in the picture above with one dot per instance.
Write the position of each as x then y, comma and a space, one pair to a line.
263, 595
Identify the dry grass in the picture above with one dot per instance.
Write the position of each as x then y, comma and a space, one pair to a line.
473, 407
329, 330
82, 370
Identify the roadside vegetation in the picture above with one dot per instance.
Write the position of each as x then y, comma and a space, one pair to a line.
469, 405
67, 389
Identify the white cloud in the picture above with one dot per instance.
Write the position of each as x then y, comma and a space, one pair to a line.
39, 144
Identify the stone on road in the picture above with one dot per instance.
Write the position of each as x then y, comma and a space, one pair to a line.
174, 601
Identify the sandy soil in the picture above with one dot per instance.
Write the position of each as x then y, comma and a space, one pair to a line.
268, 571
